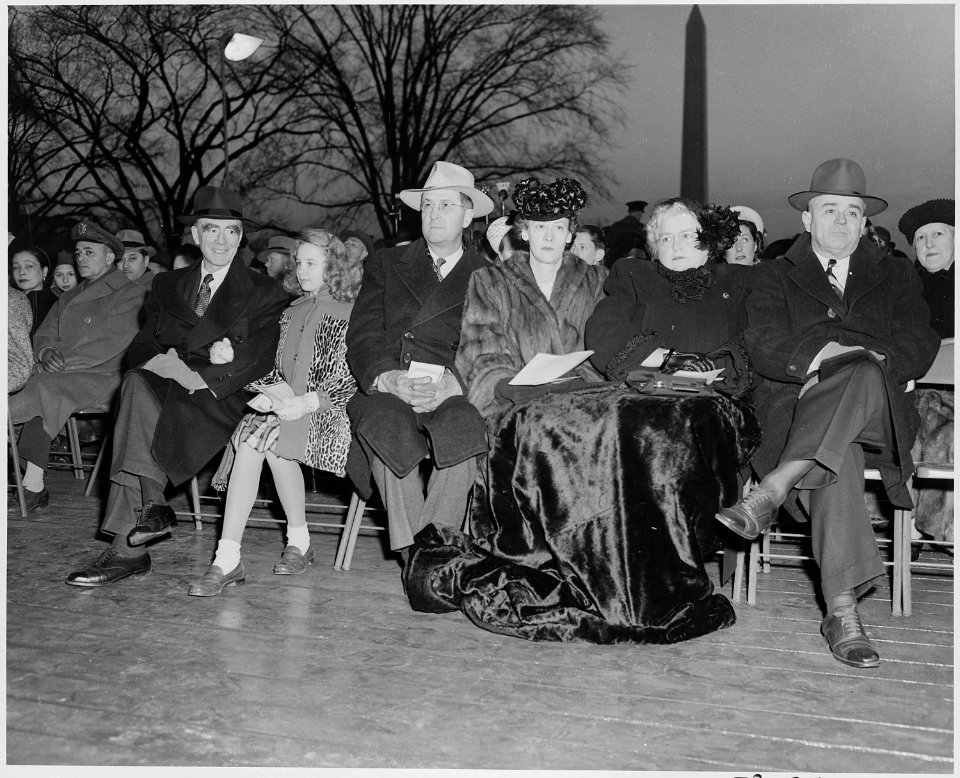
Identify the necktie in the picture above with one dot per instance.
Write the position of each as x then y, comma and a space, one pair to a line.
437, 264
831, 263
203, 296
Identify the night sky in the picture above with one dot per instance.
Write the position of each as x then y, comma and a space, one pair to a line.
789, 86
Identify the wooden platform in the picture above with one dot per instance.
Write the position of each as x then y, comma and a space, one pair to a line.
333, 669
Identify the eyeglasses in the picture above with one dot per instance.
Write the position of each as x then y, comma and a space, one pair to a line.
85, 253
685, 238
443, 207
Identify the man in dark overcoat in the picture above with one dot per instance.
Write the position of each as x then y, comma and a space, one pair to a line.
79, 350
838, 331
409, 311
623, 235
210, 329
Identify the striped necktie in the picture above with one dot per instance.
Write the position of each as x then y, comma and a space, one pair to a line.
831, 264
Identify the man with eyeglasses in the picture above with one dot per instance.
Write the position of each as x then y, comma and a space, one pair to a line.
408, 313
209, 330
79, 350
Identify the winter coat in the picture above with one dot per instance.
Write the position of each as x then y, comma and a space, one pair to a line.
19, 348
507, 321
246, 308
91, 326
792, 313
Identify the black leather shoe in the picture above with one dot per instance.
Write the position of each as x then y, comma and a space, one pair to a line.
155, 520
847, 639
214, 581
110, 568
750, 517
31, 500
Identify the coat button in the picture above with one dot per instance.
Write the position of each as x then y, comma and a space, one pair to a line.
406, 359
86, 320
832, 314
726, 295
793, 368
408, 335
156, 333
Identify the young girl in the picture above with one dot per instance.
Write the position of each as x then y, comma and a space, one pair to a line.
64, 273
307, 425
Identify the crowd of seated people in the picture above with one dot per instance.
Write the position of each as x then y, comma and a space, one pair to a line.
576, 505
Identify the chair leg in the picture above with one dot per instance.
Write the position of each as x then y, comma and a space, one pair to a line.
351, 528
738, 576
753, 571
896, 587
96, 465
903, 522
766, 551
195, 500
17, 476
76, 453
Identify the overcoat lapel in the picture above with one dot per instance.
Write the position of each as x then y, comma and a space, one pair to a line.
807, 274
227, 305
440, 298
183, 291
866, 274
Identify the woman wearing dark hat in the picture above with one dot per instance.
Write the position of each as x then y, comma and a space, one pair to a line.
579, 524
29, 269
929, 228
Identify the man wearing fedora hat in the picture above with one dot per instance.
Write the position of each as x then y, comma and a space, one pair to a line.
135, 262
209, 330
837, 331
79, 350
409, 311
277, 257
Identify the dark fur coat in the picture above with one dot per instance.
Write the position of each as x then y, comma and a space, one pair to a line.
592, 519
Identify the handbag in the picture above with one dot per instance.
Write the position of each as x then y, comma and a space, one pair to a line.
657, 384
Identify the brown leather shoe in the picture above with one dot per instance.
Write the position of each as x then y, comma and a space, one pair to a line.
155, 520
847, 639
292, 562
110, 568
215, 580
754, 514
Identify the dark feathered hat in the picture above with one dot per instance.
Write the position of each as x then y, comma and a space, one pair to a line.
545, 202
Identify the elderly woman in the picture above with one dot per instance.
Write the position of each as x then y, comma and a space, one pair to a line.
748, 247
585, 521
929, 228
300, 413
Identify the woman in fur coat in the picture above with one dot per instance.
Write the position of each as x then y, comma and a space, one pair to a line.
306, 422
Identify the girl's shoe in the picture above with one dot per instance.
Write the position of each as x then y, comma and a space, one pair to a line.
292, 562
214, 581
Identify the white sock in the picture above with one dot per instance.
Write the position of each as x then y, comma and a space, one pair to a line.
299, 537
33, 478
228, 555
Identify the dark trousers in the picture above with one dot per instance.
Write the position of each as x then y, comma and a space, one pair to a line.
34, 443
133, 459
833, 423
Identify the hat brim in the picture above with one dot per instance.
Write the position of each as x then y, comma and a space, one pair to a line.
262, 255
871, 205
150, 251
482, 205
189, 219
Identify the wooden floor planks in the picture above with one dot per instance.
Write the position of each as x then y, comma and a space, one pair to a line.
333, 669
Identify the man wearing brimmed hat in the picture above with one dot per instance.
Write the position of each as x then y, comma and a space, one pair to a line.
277, 257
409, 311
929, 228
79, 349
838, 331
134, 263
178, 409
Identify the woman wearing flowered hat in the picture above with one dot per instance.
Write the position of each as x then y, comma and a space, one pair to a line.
585, 522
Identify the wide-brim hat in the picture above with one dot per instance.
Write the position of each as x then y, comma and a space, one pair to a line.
843, 177
446, 175
280, 243
132, 240
747, 214
939, 211
364, 239
93, 233
216, 202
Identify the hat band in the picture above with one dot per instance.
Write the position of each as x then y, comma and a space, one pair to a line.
217, 213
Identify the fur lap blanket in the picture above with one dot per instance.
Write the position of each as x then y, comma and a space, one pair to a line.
591, 520
933, 504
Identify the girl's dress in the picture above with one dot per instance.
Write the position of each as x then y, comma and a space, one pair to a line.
311, 357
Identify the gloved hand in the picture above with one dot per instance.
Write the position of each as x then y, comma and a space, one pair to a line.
170, 366
221, 352
302, 405
681, 360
